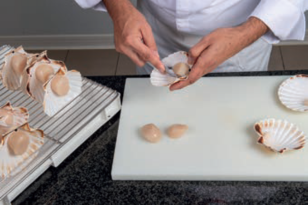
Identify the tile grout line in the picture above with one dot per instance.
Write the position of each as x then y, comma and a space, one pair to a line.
116, 69
281, 56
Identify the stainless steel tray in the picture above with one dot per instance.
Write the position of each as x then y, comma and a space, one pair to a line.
64, 132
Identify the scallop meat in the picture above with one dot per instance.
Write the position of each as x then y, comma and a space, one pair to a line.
151, 133
177, 130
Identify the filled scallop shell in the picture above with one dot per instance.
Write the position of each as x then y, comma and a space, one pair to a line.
39, 74
293, 93
12, 117
177, 69
11, 163
280, 135
54, 98
13, 72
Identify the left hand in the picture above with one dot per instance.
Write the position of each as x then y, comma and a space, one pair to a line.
218, 46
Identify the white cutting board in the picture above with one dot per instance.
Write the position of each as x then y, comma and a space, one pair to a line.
221, 143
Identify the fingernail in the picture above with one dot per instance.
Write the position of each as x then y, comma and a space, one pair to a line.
156, 54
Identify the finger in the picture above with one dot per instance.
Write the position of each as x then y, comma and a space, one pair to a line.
134, 57
203, 65
148, 38
148, 55
195, 74
196, 50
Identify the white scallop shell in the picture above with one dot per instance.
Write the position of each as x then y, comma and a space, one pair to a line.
293, 93
19, 116
11, 79
159, 79
177, 57
280, 135
26, 78
54, 103
35, 88
11, 164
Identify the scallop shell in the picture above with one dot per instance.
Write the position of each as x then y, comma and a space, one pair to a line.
159, 79
280, 135
35, 88
293, 93
11, 164
10, 117
54, 103
12, 79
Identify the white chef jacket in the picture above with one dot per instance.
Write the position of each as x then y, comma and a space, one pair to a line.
285, 18
180, 24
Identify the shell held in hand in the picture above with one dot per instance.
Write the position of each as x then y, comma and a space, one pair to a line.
293, 93
280, 135
180, 69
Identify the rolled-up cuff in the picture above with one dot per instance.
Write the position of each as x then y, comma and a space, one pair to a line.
285, 20
94, 4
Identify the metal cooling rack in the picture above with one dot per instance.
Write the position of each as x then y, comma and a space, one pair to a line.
64, 132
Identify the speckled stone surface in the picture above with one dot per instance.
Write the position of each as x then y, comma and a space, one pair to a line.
85, 176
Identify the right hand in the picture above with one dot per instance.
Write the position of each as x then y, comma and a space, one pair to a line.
134, 38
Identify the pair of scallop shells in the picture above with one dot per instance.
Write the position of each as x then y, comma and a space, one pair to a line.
19, 142
280, 135
44, 79
177, 69
52, 85
293, 93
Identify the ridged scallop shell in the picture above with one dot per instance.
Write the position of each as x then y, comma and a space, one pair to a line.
18, 116
54, 103
11, 79
293, 93
11, 164
159, 79
280, 135
35, 88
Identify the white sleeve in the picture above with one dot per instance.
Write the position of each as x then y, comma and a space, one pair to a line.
94, 4
285, 19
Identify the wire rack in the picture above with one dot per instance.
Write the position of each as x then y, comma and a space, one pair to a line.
80, 118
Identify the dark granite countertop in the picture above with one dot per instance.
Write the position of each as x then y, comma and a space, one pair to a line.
85, 176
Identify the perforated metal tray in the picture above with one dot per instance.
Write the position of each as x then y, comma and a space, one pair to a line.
64, 132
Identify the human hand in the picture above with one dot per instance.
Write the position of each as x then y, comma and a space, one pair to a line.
132, 34
218, 46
